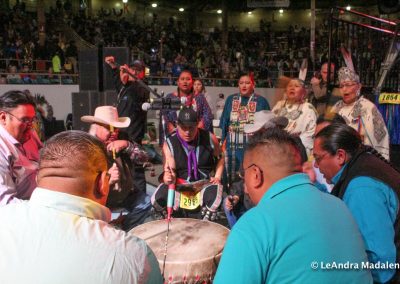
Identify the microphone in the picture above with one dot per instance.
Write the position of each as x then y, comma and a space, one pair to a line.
164, 103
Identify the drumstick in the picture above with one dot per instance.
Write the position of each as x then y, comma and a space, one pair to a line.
170, 204
165, 249
170, 198
116, 185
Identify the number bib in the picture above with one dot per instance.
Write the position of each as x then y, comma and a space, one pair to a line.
189, 200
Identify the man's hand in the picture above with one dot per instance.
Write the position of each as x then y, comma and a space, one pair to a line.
169, 176
118, 145
110, 61
231, 201
315, 81
215, 180
114, 174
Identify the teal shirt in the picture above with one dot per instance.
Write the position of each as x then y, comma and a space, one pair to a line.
374, 206
293, 226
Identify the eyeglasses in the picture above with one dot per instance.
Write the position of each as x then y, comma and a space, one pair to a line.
24, 120
243, 170
347, 85
318, 159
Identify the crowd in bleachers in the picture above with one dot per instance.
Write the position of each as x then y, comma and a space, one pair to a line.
268, 53
166, 47
23, 60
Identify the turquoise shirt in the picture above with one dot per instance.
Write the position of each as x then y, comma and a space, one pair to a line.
374, 206
294, 227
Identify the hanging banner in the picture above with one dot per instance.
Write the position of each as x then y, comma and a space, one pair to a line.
268, 3
389, 98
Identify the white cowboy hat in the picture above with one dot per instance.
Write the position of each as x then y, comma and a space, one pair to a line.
265, 119
107, 115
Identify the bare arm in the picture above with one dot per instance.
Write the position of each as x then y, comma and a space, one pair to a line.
219, 169
169, 165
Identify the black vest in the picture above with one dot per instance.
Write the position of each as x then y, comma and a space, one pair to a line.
367, 164
204, 153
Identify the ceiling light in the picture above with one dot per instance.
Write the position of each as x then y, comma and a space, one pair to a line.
154, 5
124, 1
181, 9
249, 13
219, 11
348, 8
280, 11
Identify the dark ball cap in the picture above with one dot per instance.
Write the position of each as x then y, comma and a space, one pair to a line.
187, 117
137, 65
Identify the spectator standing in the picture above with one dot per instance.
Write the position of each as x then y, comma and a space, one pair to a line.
131, 96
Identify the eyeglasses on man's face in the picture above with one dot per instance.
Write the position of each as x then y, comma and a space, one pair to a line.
24, 120
242, 170
319, 158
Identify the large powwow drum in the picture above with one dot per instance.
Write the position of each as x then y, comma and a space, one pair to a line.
194, 248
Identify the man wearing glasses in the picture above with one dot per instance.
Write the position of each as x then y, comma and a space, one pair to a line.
287, 237
370, 188
18, 163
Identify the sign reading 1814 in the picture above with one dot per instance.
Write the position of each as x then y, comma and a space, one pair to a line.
268, 3
389, 98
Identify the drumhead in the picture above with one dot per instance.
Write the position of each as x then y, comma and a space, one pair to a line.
194, 247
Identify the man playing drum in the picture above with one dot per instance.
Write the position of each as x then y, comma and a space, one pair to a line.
287, 237
191, 156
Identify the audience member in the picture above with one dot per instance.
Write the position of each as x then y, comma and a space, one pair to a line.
319, 87
63, 233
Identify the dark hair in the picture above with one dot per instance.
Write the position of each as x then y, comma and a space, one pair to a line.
14, 98
186, 71
336, 118
203, 88
70, 148
339, 136
191, 75
248, 74
279, 138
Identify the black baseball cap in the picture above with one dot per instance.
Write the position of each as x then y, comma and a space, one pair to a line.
187, 117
